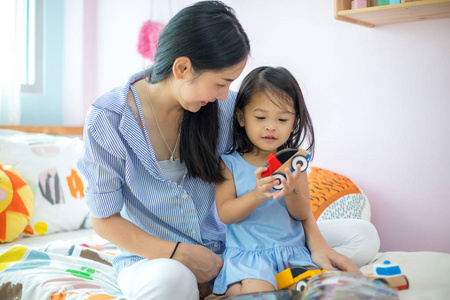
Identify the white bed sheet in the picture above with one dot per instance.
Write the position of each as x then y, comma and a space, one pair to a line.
428, 273
82, 236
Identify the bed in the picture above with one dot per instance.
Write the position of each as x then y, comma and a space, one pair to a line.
50, 251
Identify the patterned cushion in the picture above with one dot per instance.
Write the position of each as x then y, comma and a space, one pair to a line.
334, 196
49, 165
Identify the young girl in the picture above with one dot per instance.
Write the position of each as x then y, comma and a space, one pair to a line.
264, 232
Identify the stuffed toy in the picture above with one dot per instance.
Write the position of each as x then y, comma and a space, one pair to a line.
16, 204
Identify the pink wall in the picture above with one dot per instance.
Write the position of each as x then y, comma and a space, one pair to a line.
378, 99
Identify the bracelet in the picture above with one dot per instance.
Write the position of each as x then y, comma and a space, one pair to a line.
175, 249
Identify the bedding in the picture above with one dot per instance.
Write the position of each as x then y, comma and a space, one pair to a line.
77, 265
69, 261
62, 269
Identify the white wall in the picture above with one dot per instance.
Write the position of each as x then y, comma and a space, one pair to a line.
378, 98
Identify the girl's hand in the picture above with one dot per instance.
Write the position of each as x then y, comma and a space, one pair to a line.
263, 185
291, 184
327, 258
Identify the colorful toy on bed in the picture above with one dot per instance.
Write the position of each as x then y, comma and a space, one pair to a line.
16, 204
391, 275
297, 277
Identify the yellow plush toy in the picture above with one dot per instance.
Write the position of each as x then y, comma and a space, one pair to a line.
16, 204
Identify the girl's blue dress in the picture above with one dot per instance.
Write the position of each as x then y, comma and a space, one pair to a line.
265, 243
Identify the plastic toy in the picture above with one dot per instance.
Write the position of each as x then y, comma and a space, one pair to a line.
387, 269
287, 158
297, 277
399, 282
390, 274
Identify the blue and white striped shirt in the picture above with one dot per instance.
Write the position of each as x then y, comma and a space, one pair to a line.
123, 175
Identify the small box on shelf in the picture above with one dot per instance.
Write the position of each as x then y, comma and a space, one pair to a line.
359, 4
388, 2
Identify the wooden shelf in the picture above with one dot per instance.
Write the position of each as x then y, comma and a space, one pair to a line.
54, 130
407, 11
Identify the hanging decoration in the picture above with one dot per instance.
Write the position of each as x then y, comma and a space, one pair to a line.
148, 39
150, 32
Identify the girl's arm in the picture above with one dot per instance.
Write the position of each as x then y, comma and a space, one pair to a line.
231, 209
204, 263
296, 194
321, 253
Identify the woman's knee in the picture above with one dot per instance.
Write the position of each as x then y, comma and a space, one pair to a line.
159, 279
354, 238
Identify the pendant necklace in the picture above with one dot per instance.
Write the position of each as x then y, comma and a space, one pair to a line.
172, 153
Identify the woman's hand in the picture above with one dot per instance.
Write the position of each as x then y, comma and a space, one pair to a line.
204, 263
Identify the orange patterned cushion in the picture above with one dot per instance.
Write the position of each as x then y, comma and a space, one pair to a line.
334, 196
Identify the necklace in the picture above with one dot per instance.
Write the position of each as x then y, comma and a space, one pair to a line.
172, 152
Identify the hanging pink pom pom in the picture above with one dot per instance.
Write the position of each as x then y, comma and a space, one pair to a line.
148, 39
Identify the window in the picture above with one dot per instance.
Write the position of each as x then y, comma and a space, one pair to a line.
29, 26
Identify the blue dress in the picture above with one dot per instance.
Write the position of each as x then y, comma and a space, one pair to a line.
265, 243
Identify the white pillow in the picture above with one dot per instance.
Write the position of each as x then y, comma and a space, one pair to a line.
49, 165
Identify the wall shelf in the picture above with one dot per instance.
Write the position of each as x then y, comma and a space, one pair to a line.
406, 11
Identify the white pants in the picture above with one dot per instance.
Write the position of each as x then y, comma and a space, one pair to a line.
356, 239
159, 279
169, 279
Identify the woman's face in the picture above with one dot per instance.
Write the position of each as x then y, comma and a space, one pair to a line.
208, 86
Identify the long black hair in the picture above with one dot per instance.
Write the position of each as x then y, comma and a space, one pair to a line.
281, 87
209, 34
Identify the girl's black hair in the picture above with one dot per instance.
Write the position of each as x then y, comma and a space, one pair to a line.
209, 34
281, 87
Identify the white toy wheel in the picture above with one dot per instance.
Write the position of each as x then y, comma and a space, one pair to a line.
278, 176
299, 159
301, 285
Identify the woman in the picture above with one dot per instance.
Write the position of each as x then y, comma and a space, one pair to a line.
151, 156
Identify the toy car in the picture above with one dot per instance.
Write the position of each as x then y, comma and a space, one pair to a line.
296, 278
390, 274
287, 158
399, 282
387, 269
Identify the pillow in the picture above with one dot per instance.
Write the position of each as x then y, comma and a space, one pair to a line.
48, 164
16, 204
334, 196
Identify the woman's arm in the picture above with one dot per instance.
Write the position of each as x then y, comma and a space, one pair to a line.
321, 253
204, 263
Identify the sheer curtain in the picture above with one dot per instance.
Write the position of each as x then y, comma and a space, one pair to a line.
11, 49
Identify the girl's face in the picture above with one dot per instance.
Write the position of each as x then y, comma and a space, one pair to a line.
208, 86
268, 125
